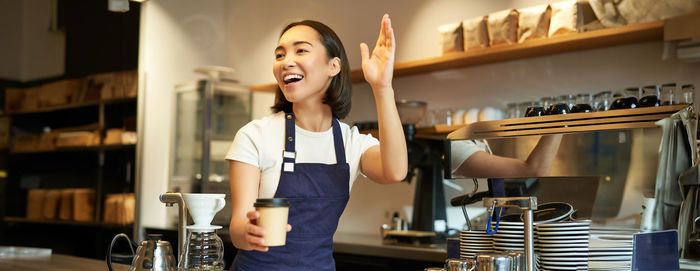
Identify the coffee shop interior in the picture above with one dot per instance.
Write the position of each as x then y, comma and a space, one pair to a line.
106, 106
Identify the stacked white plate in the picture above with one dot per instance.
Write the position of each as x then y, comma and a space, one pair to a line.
473, 242
610, 249
562, 245
510, 236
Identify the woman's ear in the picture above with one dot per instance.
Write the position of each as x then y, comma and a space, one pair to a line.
335, 67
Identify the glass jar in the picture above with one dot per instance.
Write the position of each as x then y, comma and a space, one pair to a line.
650, 96
512, 110
633, 92
204, 250
603, 100
522, 108
583, 103
687, 94
545, 102
668, 94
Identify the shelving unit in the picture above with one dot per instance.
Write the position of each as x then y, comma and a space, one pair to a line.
12, 219
533, 48
104, 168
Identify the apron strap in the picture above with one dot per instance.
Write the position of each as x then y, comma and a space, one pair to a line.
289, 153
338, 142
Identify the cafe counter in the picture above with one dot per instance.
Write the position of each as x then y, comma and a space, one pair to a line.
57, 262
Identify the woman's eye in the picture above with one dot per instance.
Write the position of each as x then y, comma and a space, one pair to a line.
299, 51
278, 56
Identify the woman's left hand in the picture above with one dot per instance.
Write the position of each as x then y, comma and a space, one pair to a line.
378, 68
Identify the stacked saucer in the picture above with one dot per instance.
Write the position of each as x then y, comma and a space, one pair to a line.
473, 242
562, 245
611, 248
510, 236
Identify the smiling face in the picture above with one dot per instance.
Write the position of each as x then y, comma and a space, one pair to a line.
302, 67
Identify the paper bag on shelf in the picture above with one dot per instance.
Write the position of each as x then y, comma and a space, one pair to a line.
503, 27
533, 22
119, 208
59, 93
83, 204
476, 33
572, 17
78, 139
65, 209
25, 143
47, 141
50, 204
113, 137
451, 38
35, 203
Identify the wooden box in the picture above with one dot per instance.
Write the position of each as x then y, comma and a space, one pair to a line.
35, 203
83, 204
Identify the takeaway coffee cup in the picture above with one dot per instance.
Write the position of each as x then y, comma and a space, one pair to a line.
273, 218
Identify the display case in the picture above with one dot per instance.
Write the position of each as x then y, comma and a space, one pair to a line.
206, 117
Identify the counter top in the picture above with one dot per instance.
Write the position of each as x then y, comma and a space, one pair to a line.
57, 262
372, 245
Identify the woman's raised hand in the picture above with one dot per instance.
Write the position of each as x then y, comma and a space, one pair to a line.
378, 68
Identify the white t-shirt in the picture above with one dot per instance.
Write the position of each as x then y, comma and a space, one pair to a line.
461, 150
260, 143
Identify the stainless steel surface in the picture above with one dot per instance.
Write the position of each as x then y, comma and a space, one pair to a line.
373, 245
460, 265
626, 159
529, 240
154, 255
527, 205
494, 262
170, 199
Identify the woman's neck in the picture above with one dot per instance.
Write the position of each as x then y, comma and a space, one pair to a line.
315, 117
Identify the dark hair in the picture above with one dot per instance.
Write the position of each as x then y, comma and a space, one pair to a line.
339, 92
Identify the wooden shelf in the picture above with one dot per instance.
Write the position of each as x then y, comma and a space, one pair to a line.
72, 106
78, 149
65, 222
561, 44
622, 119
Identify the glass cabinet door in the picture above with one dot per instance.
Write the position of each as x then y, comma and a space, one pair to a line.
229, 108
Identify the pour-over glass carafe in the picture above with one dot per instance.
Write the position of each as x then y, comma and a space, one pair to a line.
204, 250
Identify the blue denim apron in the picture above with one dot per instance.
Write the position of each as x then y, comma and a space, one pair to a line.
317, 194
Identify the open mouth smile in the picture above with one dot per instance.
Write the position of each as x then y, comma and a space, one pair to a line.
292, 78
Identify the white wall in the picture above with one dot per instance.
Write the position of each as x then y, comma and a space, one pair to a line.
29, 50
253, 28
176, 37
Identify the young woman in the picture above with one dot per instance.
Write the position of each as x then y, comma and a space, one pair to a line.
303, 153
